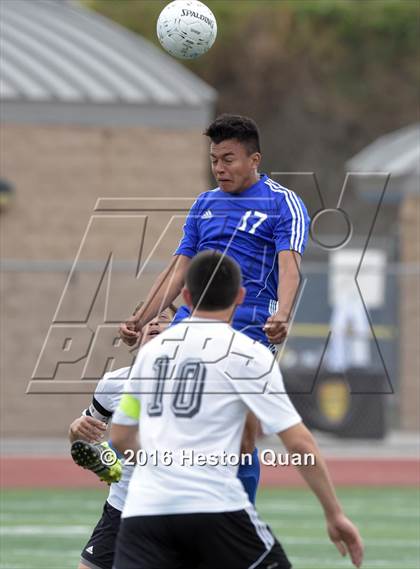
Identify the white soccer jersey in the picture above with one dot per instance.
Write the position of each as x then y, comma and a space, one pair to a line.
105, 401
196, 382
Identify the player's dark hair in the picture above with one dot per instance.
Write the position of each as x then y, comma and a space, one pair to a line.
213, 280
172, 309
242, 129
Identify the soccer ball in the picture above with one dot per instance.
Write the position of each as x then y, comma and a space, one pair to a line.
186, 28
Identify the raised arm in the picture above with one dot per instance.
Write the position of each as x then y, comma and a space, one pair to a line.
342, 532
277, 325
166, 288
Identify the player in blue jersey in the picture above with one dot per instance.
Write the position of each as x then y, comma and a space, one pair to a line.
254, 220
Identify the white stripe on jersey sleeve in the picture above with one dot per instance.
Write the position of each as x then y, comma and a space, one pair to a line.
299, 243
295, 232
299, 221
298, 218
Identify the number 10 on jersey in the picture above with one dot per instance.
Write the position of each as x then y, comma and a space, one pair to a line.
187, 391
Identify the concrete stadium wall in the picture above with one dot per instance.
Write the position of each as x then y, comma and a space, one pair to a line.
58, 174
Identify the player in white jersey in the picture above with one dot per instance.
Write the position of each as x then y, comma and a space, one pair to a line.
186, 508
98, 553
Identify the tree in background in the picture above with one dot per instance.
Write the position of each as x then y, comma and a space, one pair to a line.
323, 78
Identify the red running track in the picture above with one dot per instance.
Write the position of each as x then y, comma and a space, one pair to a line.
61, 472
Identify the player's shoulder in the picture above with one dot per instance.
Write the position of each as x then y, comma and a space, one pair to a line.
253, 347
109, 390
249, 358
113, 380
201, 202
188, 336
209, 194
275, 189
287, 199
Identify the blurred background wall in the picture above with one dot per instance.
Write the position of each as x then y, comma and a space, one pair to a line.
89, 111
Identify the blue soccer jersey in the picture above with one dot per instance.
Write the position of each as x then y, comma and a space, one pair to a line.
251, 227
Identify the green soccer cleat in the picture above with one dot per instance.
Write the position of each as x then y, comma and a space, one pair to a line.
99, 458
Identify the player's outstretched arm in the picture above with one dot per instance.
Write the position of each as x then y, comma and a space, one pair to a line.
276, 326
342, 532
166, 288
88, 429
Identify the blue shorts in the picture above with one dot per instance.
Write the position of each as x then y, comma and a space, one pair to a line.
248, 319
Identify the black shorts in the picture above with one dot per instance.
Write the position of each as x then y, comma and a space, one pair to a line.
228, 540
99, 551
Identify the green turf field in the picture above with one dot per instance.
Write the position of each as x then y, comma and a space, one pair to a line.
46, 529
